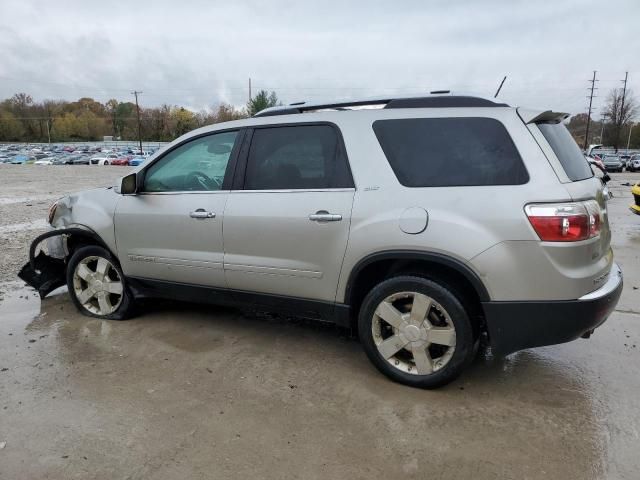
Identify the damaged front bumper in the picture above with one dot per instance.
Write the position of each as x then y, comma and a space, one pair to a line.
47, 271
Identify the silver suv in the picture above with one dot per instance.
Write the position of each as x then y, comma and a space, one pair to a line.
425, 223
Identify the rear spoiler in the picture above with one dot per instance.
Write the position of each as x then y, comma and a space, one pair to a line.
539, 116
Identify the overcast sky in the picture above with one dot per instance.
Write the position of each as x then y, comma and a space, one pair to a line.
199, 53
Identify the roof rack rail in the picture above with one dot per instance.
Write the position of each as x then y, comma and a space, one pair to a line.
437, 99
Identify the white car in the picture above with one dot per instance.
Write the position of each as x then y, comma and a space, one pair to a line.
103, 159
43, 161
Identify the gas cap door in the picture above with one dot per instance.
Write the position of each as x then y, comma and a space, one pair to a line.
414, 220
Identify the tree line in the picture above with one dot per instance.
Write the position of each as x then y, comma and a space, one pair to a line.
24, 120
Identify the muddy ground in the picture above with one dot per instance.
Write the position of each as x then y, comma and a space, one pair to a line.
203, 392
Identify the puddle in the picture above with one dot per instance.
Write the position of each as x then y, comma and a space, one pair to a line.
18, 306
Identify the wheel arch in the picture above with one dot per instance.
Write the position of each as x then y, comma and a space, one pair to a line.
381, 265
75, 237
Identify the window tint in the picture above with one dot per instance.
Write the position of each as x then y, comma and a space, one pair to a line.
198, 165
298, 157
440, 152
566, 149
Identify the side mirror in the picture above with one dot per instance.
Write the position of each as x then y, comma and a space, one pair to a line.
129, 184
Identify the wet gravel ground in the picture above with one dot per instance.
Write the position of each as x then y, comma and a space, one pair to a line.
203, 392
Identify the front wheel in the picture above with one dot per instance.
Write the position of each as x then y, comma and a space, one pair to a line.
416, 331
97, 285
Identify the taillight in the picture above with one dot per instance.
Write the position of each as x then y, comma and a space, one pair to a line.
565, 222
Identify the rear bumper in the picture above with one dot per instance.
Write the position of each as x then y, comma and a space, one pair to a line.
515, 326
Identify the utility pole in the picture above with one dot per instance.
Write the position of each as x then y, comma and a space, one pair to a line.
249, 88
620, 113
604, 115
586, 135
136, 93
48, 131
629, 138
500, 87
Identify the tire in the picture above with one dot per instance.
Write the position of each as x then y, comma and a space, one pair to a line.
106, 163
442, 357
84, 275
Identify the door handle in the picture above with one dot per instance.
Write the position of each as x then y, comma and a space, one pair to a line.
324, 216
202, 213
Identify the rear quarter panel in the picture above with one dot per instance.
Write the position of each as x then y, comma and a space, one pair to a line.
463, 222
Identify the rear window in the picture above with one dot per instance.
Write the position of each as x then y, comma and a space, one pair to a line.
566, 149
443, 152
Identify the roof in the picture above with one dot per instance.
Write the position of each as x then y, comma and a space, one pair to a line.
435, 99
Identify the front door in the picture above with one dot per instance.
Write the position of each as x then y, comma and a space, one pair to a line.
172, 229
286, 227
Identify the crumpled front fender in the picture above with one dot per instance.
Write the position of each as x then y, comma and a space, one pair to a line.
45, 273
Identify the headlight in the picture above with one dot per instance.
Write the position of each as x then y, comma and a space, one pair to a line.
52, 212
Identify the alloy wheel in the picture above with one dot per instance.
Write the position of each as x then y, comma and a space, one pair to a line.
97, 285
413, 333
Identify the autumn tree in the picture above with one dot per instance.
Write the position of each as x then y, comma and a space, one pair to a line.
23, 119
10, 128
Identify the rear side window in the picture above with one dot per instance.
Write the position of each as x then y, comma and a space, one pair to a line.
296, 157
566, 149
444, 152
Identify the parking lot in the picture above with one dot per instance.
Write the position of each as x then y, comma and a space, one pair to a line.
188, 391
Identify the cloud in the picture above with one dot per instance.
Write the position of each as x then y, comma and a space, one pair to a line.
198, 53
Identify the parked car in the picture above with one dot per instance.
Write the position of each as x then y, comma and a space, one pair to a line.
80, 160
61, 160
612, 163
624, 158
44, 161
599, 171
104, 159
22, 159
121, 161
596, 161
137, 160
357, 217
634, 163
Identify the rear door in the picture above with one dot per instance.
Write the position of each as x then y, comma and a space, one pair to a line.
287, 222
172, 229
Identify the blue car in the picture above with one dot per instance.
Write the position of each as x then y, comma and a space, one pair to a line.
22, 159
135, 161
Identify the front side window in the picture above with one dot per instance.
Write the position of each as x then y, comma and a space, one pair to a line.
198, 165
446, 152
296, 157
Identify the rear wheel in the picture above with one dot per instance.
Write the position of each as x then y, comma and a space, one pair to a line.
97, 286
416, 331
